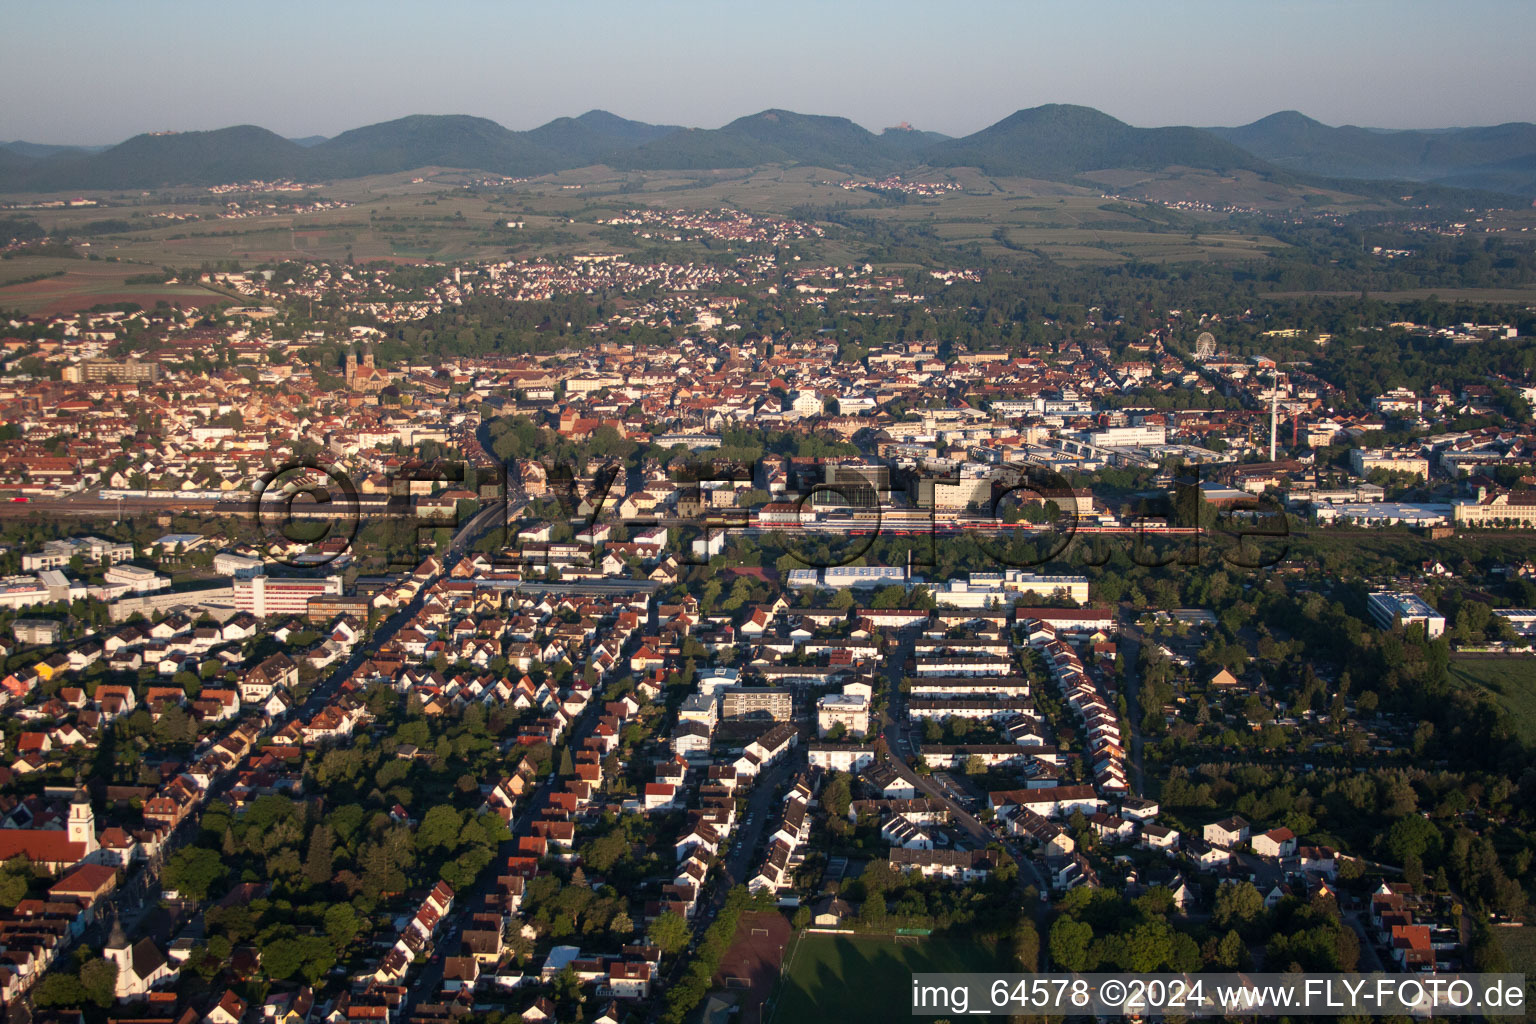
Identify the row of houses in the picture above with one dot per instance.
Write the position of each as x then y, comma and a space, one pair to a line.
1092, 701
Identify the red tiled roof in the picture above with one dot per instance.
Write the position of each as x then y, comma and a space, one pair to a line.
47, 846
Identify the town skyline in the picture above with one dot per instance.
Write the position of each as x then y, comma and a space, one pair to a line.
526, 566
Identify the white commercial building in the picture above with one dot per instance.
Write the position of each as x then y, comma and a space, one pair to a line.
227, 563
1517, 508
985, 589
265, 595
1385, 513
21, 591
1127, 437
805, 403
700, 707
136, 578
1389, 609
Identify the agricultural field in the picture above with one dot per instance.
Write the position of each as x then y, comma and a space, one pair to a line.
857, 978
1524, 296
49, 285
1512, 683
437, 215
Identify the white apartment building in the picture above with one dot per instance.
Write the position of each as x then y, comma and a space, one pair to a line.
1363, 460
57, 553
850, 710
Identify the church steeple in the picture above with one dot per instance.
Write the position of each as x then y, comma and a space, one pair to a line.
82, 822
118, 953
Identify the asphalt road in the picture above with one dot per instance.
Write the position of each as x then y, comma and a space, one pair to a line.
429, 981
1130, 645
739, 866
902, 740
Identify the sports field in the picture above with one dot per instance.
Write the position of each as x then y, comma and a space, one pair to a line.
751, 965
1511, 681
865, 978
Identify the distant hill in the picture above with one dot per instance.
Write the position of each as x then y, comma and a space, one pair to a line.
430, 140
772, 136
39, 150
150, 161
1057, 142
1489, 157
905, 140
13, 163
696, 149
1512, 177
1061, 141
593, 135
813, 139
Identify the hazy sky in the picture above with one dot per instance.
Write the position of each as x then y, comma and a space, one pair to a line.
97, 72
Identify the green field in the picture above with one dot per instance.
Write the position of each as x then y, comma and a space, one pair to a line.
1520, 947
864, 978
1511, 681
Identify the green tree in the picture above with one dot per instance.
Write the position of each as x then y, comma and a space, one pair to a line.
838, 795
439, 829
1231, 952
1412, 836
282, 957
193, 871
341, 925
319, 860
669, 932
59, 988
13, 885
319, 957
1239, 903
603, 852
98, 981
1026, 945
1069, 942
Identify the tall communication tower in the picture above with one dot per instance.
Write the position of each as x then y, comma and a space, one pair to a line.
1274, 414
1274, 407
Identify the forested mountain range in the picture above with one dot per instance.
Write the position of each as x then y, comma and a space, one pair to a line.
1056, 142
